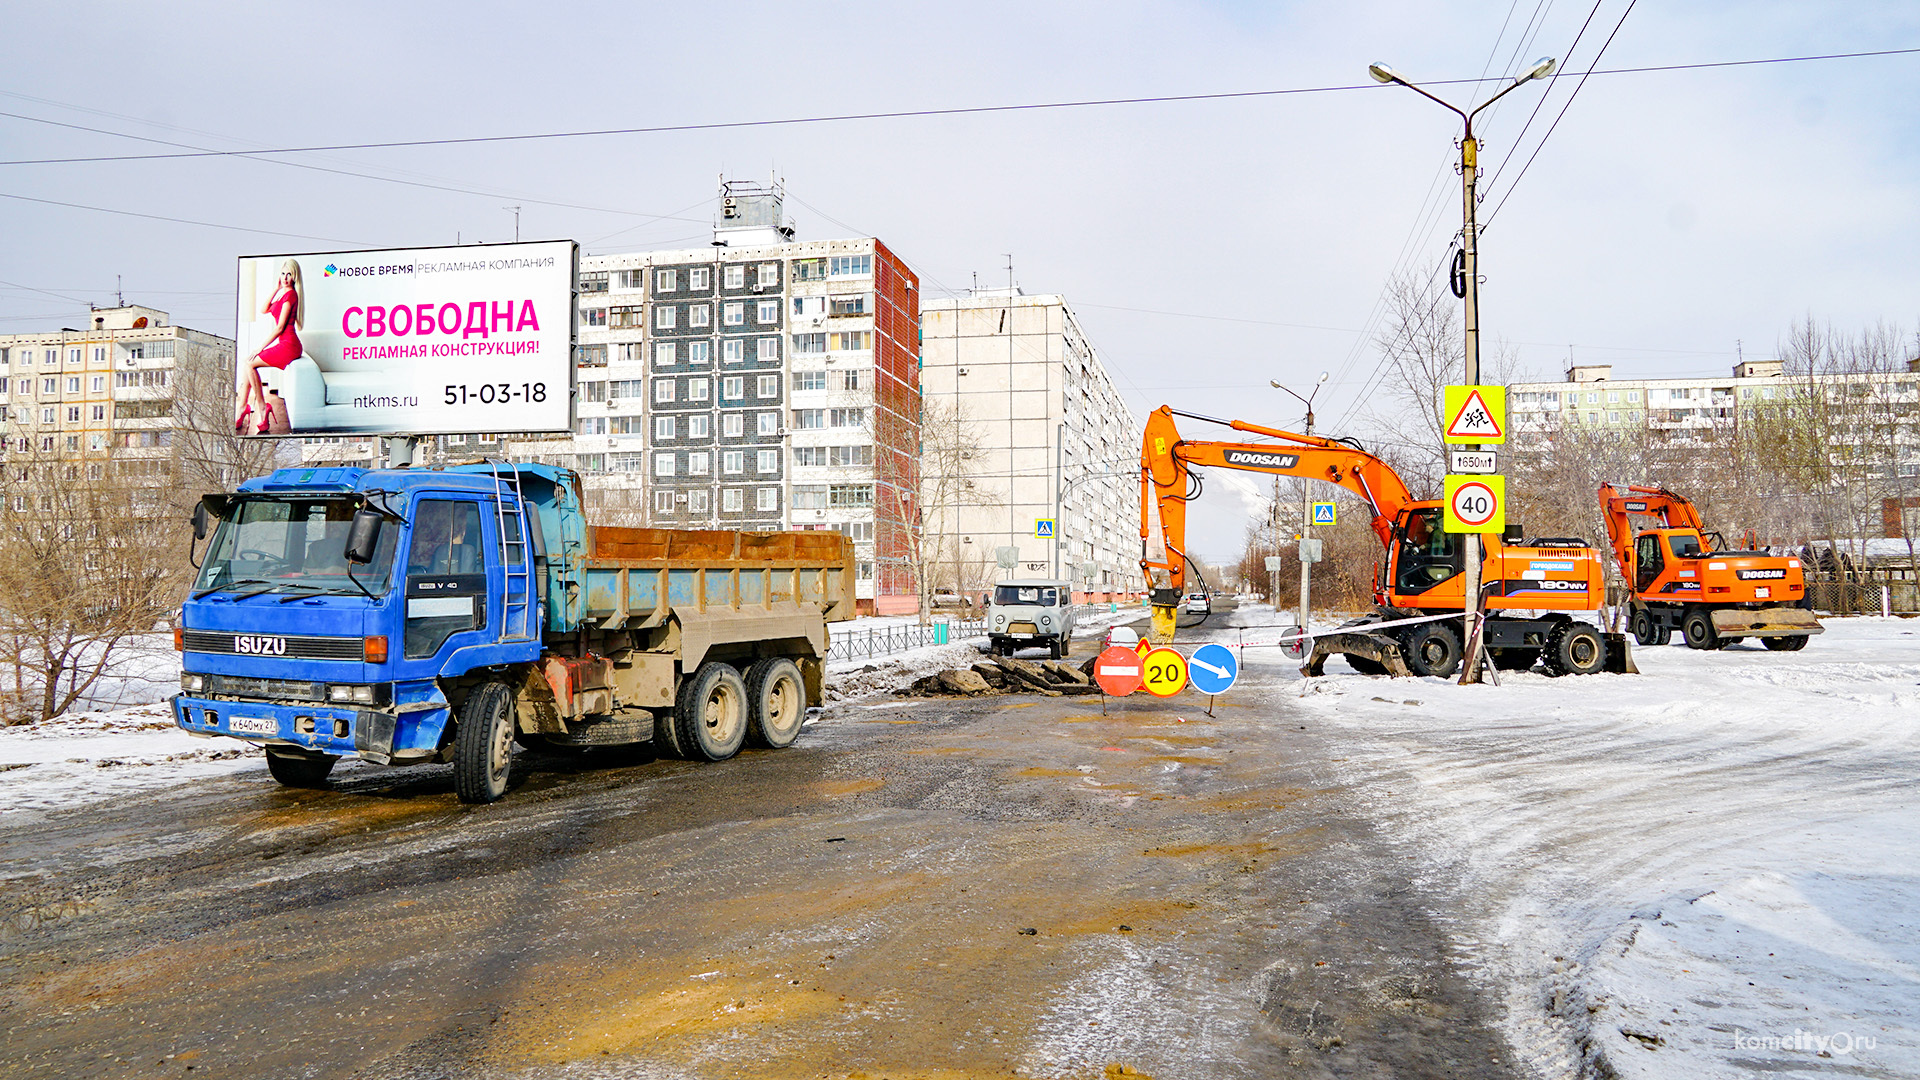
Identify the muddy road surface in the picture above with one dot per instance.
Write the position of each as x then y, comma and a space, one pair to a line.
1004, 886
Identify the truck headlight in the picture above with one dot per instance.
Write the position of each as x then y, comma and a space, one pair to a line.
359, 695
999, 621
192, 683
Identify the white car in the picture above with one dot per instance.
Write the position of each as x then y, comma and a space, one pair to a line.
1197, 604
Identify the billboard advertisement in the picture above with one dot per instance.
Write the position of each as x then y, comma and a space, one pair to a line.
409, 341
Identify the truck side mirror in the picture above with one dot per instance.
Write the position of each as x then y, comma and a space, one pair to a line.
200, 521
363, 536
1513, 535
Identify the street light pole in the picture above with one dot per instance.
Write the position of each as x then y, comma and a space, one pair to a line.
1306, 499
1468, 288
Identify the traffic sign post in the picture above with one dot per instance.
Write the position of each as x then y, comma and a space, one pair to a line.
1165, 673
1295, 641
1476, 504
1214, 669
1475, 415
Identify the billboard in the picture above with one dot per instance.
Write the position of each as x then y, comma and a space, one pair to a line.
410, 341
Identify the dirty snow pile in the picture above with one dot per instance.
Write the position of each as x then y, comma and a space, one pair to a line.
78, 759
1707, 870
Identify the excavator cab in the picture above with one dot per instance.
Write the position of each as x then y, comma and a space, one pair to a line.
1424, 554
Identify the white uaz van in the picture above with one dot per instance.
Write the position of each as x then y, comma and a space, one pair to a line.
1029, 614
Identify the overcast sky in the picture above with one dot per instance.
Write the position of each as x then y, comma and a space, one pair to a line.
1208, 245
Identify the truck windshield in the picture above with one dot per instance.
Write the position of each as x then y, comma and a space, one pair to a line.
1038, 596
295, 545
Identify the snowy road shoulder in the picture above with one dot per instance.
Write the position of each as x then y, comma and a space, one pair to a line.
76, 760
1702, 871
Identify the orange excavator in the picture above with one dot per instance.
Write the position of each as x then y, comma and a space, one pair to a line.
1422, 574
1685, 578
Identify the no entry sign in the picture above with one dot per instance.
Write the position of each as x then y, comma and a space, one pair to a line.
1117, 670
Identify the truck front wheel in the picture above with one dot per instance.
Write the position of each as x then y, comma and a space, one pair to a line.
483, 744
299, 768
778, 700
711, 716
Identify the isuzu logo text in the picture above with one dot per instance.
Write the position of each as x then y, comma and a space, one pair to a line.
1261, 460
260, 646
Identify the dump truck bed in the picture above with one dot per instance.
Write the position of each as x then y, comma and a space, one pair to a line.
636, 577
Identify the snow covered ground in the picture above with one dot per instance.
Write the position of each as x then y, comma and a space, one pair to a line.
1707, 870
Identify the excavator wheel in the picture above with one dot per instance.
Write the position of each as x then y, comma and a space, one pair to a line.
1432, 649
1648, 632
1574, 648
1786, 643
1698, 629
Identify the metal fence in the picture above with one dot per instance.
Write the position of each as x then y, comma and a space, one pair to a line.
1864, 597
882, 640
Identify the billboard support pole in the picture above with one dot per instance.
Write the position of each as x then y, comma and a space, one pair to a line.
401, 451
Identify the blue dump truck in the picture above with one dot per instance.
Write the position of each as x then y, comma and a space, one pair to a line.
406, 616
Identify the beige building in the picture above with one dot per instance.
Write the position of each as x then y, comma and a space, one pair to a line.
1054, 443
108, 389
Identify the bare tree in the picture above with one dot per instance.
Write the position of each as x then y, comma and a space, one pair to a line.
950, 459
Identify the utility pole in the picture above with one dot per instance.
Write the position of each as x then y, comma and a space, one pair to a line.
516, 222
1306, 501
1467, 287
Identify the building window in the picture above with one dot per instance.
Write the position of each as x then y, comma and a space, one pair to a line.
733, 387
697, 389
593, 391
847, 418
734, 462
592, 282
730, 500
809, 455
809, 380
663, 464
663, 502
699, 278
807, 419
733, 351
769, 423
664, 354
809, 305
620, 389
73, 356
769, 350
593, 356
734, 313
769, 386
809, 269
73, 384
593, 316
850, 496
663, 390
768, 462
769, 274
769, 311
843, 456
735, 277
73, 414
863, 571
99, 412
589, 425
810, 497
852, 340
630, 316
700, 353
767, 499
698, 315
663, 427
665, 281
699, 425
1613, 418
861, 531
850, 305
698, 463
663, 317
849, 265
699, 502
49, 387
46, 417
99, 383
850, 380
732, 423
809, 343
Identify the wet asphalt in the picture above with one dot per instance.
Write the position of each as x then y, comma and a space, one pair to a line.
951, 888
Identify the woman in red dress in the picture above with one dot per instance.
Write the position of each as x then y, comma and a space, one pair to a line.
288, 309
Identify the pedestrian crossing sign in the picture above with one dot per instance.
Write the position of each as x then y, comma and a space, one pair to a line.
1043, 528
1324, 513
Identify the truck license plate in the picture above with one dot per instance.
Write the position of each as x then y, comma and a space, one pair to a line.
253, 725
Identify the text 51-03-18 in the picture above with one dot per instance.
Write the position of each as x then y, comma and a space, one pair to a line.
495, 393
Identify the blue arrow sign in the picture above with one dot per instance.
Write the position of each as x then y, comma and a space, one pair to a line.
1213, 669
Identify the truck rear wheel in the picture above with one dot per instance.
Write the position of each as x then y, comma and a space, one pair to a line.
1785, 643
710, 719
778, 699
1575, 649
1698, 629
483, 744
299, 768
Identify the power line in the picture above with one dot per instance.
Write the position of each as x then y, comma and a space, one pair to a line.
910, 113
175, 220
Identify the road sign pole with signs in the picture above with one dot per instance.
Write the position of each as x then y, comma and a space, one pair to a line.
1474, 416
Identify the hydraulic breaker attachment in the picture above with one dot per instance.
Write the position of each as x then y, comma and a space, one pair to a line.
1166, 615
1765, 622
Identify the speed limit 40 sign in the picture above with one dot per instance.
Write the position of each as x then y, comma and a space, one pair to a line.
1476, 504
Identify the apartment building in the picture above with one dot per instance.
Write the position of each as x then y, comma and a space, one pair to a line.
106, 390
1055, 443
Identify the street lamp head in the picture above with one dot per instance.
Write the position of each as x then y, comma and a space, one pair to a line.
1321, 379
1382, 73
1275, 385
1542, 68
